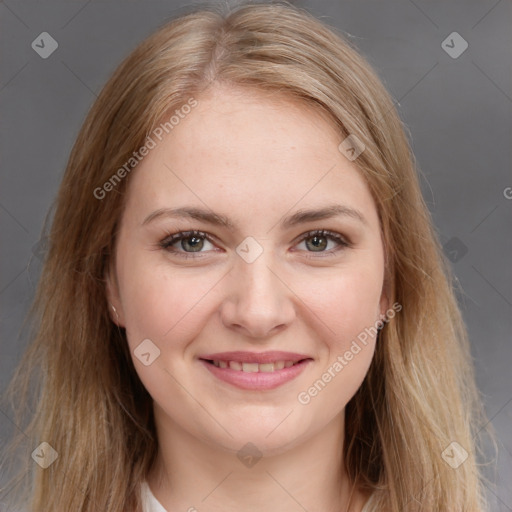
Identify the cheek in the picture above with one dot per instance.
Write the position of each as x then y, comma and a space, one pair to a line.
348, 309
345, 300
167, 309
161, 306
346, 305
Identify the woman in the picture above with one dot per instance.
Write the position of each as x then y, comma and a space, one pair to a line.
244, 302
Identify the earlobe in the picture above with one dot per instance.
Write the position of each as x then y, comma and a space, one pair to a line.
384, 305
117, 321
114, 305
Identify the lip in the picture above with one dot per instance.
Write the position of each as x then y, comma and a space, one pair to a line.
256, 380
255, 357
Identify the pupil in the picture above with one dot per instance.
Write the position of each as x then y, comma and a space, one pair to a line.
193, 243
319, 243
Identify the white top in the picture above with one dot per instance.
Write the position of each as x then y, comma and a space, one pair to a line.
368, 504
151, 504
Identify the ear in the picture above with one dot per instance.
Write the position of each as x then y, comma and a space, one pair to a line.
384, 302
114, 302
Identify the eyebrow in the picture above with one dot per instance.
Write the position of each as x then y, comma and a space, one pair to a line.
299, 217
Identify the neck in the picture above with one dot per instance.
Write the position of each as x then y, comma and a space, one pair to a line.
192, 475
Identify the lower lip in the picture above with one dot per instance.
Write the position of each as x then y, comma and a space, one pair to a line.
257, 380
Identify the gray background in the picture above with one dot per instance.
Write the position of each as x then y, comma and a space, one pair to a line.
458, 111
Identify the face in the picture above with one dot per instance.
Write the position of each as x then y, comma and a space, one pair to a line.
285, 265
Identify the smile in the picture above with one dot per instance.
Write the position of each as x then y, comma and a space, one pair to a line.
253, 367
255, 371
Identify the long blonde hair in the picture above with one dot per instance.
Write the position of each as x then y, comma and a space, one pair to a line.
76, 383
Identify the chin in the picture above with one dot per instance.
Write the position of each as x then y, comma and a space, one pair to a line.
268, 437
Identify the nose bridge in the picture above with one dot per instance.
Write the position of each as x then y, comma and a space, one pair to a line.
258, 282
259, 302
253, 266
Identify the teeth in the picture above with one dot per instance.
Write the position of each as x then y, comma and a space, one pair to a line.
250, 367
235, 365
254, 367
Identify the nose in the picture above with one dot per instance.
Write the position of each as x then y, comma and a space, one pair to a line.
258, 303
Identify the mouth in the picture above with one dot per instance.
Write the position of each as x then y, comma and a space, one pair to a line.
253, 371
248, 367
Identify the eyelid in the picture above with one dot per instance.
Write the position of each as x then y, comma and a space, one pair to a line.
181, 235
341, 240
326, 233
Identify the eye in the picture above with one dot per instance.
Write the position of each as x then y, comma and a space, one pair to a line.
319, 241
190, 244
187, 242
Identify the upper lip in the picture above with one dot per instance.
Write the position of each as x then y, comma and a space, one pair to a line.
255, 357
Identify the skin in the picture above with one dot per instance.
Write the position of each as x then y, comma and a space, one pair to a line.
255, 159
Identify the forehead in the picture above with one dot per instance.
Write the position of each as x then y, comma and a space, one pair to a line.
241, 148
239, 121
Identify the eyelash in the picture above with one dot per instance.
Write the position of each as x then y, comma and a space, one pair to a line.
171, 239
